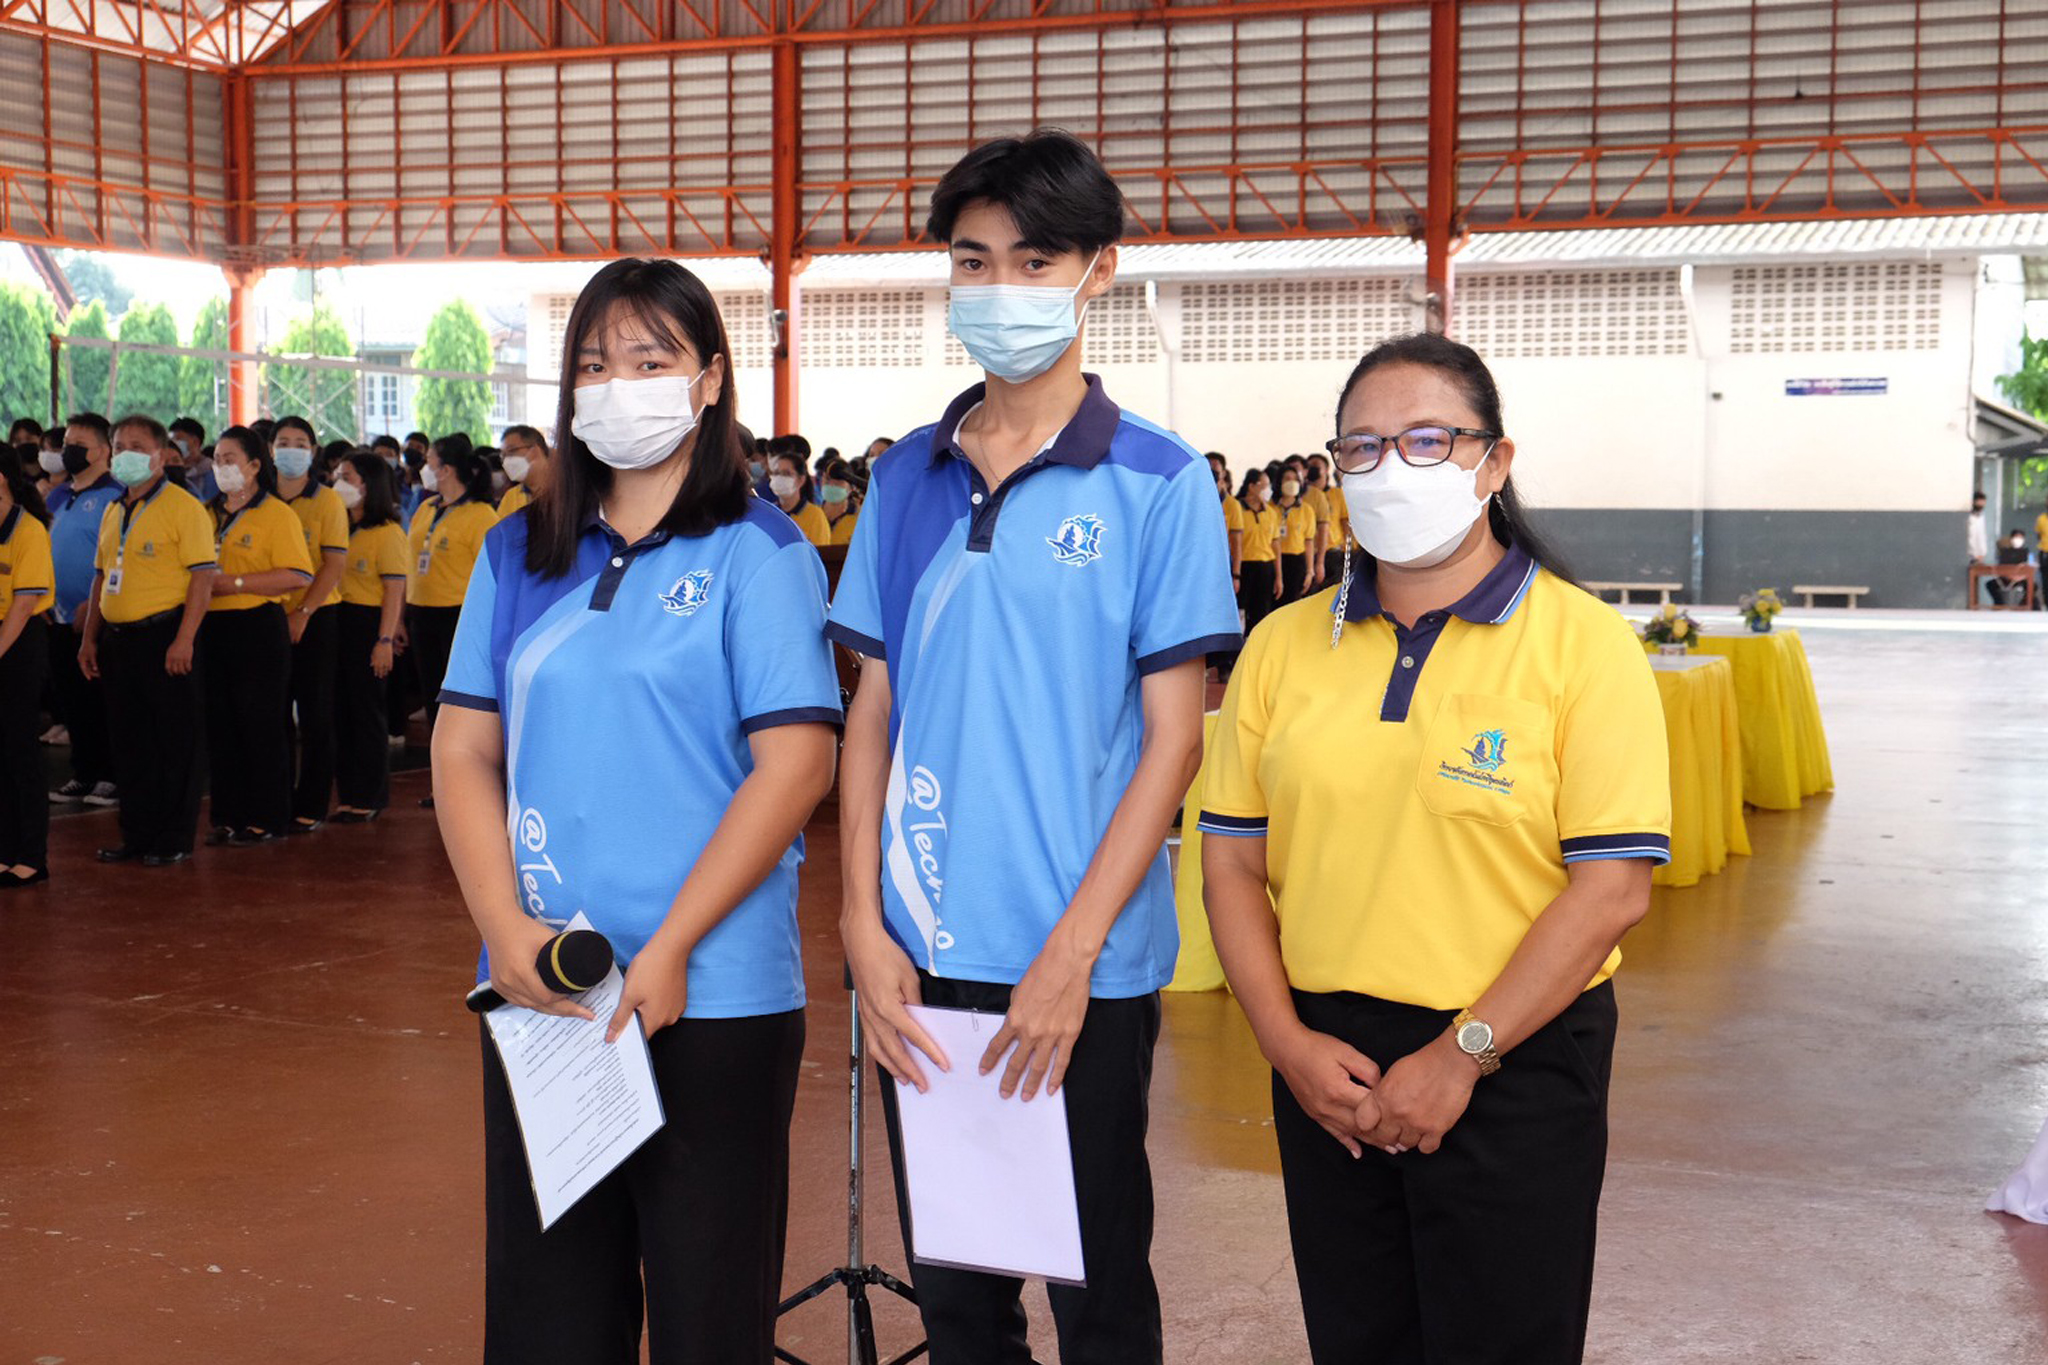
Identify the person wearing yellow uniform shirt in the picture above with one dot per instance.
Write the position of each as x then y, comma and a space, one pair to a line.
527, 463
1258, 586
447, 535
310, 614
367, 621
2041, 551
1433, 805
28, 589
1297, 533
152, 579
836, 499
1325, 557
791, 487
248, 644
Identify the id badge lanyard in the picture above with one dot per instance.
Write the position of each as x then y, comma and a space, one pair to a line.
129, 511
427, 547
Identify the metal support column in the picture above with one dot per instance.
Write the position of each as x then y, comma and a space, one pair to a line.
240, 271
783, 232
1440, 226
243, 407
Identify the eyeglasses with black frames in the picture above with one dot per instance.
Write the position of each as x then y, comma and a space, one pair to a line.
1422, 447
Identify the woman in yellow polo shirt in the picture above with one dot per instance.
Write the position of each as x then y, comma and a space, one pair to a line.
791, 486
301, 486
366, 620
1449, 776
1297, 533
838, 499
1325, 557
447, 535
1258, 569
28, 584
248, 645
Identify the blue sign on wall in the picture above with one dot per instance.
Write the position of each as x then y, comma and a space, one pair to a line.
1830, 388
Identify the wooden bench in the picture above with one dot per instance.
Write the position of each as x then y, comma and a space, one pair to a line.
1663, 591
1809, 591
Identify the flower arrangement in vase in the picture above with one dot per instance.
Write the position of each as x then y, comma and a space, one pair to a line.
1760, 608
1671, 630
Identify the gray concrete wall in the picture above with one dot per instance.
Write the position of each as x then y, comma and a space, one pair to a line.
1907, 559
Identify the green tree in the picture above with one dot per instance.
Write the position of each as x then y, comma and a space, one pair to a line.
455, 340
143, 382
203, 384
87, 366
27, 317
2027, 389
326, 398
92, 278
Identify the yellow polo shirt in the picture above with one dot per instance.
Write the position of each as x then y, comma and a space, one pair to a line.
810, 519
1422, 792
375, 557
515, 498
148, 551
2041, 532
1259, 529
26, 569
445, 542
264, 535
325, 522
1297, 526
842, 529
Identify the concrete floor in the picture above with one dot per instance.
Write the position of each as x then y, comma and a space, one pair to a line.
238, 1100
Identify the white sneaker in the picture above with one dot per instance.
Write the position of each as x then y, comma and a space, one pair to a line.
74, 790
56, 734
103, 794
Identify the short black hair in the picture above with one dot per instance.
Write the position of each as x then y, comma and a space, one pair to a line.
24, 424
189, 426
419, 436
385, 442
94, 423
294, 422
142, 421
1050, 182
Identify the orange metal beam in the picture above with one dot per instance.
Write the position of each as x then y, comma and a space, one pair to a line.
1440, 204
783, 262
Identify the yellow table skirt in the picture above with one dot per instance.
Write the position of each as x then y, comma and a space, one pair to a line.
1704, 738
1784, 745
1197, 968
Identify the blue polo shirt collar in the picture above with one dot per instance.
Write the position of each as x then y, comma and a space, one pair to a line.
618, 556
1083, 442
1493, 602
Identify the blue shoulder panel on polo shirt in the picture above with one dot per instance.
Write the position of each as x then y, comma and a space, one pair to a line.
627, 689
1018, 624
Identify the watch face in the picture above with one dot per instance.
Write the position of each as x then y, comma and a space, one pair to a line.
1475, 1037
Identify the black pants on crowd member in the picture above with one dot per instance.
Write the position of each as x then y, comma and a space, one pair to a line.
1255, 580
975, 1318
312, 705
248, 717
82, 707
433, 639
156, 720
1293, 578
1333, 567
1386, 1247
699, 1213
24, 794
362, 761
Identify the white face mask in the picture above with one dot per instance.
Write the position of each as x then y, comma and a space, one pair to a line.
430, 478
52, 462
784, 485
635, 423
351, 496
517, 467
1289, 487
1413, 518
229, 479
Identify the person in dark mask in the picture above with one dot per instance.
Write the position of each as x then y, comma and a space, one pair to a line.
77, 502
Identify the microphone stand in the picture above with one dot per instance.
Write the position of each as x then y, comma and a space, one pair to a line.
856, 1275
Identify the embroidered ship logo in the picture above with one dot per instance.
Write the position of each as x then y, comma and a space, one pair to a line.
691, 591
1489, 751
1078, 541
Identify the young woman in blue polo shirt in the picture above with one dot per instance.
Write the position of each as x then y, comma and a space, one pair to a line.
638, 718
1437, 793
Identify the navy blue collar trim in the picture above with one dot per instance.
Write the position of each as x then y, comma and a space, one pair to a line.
594, 521
7, 526
1083, 442
1492, 603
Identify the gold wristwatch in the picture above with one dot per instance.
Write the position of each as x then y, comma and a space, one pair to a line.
1474, 1038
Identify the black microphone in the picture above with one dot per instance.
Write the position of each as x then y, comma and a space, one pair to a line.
574, 961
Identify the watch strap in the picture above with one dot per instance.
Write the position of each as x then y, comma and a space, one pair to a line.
1487, 1057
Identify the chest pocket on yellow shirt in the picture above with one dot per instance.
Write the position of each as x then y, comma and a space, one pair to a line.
1488, 759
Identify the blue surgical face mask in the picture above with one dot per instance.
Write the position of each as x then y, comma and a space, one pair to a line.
132, 468
292, 462
1017, 331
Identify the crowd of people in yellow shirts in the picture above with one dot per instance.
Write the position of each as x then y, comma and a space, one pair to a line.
1286, 524
255, 620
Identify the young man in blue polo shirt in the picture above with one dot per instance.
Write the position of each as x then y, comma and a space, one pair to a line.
1035, 580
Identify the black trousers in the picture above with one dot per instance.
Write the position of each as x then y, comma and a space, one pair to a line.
698, 1214
1481, 1253
1293, 577
312, 704
1255, 591
362, 761
156, 722
24, 795
972, 1318
248, 717
82, 706
433, 639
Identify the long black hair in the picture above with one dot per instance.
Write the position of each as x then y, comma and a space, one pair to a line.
1460, 364
21, 486
380, 487
804, 491
677, 311
258, 450
459, 457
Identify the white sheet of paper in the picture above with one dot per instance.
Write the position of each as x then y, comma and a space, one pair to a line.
991, 1180
584, 1105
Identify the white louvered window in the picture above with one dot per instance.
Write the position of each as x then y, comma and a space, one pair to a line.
1290, 319
860, 329
1571, 313
1863, 306
1120, 330
746, 329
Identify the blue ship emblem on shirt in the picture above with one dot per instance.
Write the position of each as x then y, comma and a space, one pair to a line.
1489, 751
691, 591
1078, 541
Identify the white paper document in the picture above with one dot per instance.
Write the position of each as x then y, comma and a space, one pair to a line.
584, 1105
991, 1181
